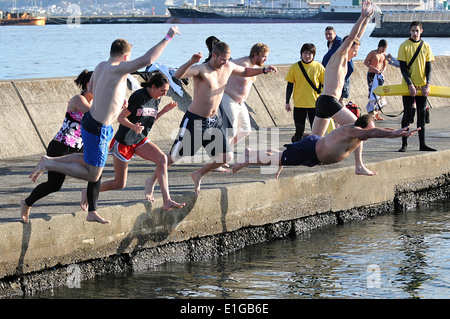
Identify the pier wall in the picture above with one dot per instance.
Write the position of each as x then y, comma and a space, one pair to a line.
39, 106
36, 256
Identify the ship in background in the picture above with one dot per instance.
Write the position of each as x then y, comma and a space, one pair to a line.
345, 11
20, 18
301, 11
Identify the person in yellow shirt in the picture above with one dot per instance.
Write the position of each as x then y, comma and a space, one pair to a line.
416, 75
305, 93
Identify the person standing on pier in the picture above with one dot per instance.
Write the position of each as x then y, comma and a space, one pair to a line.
304, 78
376, 61
201, 125
415, 58
108, 86
328, 105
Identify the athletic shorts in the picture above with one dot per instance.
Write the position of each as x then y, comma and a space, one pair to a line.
96, 137
235, 116
302, 152
327, 106
195, 132
124, 152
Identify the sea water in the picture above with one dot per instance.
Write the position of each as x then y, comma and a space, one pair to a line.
401, 255
65, 50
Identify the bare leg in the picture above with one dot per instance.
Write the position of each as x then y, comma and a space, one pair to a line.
320, 126
151, 152
151, 181
119, 181
270, 156
218, 161
345, 116
24, 211
71, 165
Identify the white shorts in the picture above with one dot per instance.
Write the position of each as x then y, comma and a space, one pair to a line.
235, 116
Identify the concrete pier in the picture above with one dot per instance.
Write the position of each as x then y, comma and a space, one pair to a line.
232, 210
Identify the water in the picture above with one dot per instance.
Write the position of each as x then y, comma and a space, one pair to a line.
60, 50
401, 255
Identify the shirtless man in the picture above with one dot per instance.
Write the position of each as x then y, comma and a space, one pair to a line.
235, 116
328, 105
377, 62
200, 125
237, 91
108, 85
314, 150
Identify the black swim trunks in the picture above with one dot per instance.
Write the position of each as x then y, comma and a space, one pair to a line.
327, 106
195, 132
302, 152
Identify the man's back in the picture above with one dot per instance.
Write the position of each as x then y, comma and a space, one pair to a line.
337, 145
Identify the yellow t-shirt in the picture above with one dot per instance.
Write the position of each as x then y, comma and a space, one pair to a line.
417, 70
304, 95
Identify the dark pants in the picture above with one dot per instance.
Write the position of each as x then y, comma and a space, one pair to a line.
421, 105
55, 180
300, 121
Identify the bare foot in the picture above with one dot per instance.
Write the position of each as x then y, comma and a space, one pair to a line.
84, 202
364, 171
242, 161
238, 166
24, 212
278, 171
197, 181
149, 188
221, 170
170, 204
378, 118
94, 217
38, 170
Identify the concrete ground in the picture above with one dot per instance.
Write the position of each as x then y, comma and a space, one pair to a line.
15, 184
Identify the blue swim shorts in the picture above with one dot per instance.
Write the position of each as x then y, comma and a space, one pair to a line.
96, 137
302, 152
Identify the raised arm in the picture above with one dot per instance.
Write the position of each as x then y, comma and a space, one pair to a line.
150, 56
186, 70
360, 26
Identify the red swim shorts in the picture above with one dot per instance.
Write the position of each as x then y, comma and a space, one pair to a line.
124, 152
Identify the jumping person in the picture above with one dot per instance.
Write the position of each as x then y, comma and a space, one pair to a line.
200, 125
328, 105
136, 121
315, 150
108, 85
66, 141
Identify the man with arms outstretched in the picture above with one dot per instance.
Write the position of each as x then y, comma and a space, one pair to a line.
200, 125
314, 150
328, 105
108, 85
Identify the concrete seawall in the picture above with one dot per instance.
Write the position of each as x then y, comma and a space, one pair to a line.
232, 211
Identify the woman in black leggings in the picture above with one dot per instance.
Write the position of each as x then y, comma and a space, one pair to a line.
66, 141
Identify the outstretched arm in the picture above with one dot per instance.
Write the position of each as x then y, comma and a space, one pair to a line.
364, 134
150, 56
249, 72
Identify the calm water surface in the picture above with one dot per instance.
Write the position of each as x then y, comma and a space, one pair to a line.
392, 256
58, 50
